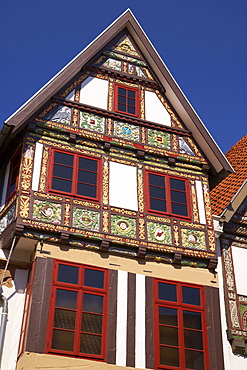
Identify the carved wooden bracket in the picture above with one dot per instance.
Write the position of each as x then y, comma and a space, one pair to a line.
141, 252
104, 246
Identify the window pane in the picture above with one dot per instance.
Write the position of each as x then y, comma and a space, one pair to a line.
178, 196
62, 185
168, 316
167, 292
92, 303
121, 91
191, 295
192, 320
179, 209
63, 340
88, 164
194, 360
66, 298
156, 180
64, 319
131, 102
86, 190
131, 110
177, 184
131, 94
158, 205
122, 99
62, 171
68, 274
157, 192
193, 339
91, 323
122, 107
87, 177
63, 158
169, 336
169, 356
90, 344
94, 278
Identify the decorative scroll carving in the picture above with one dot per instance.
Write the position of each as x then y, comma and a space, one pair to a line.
105, 182
234, 314
43, 172
140, 188
228, 269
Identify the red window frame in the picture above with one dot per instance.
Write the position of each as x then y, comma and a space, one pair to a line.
168, 190
14, 174
129, 91
180, 307
81, 289
75, 170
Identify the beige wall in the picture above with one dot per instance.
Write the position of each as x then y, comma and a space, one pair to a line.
153, 269
35, 361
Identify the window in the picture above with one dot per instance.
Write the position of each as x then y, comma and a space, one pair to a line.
14, 174
78, 319
126, 100
168, 195
180, 330
74, 174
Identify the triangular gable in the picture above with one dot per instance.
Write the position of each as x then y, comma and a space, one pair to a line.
162, 76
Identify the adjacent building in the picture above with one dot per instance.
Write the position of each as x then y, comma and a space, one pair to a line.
229, 205
108, 252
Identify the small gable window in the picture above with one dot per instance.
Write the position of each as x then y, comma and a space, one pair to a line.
78, 314
14, 174
126, 100
74, 174
168, 195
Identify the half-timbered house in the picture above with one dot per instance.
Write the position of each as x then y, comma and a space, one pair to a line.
229, 207
107, 241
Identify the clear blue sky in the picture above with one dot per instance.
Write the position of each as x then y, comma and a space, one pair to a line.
203, 43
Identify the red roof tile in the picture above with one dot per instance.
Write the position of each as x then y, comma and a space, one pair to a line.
223, 193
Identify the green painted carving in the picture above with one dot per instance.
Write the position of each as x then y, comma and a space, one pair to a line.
85, 219
159, 233
126, 131
91, 122
159, 138
121, 225
47, 211
113, 64
193, 239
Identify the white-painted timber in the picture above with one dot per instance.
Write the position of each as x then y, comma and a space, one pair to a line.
239, 256
37, 166
121, 330
200, 201
155, 111
94, 91
140, 328
123, 186
15, 297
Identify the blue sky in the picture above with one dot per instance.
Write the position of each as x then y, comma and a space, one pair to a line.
203, 43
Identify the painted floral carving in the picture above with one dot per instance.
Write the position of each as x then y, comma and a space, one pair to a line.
85, 219
126, 131
91, 122
159, 233
123, 226
47, 211
193, 239
159, 138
